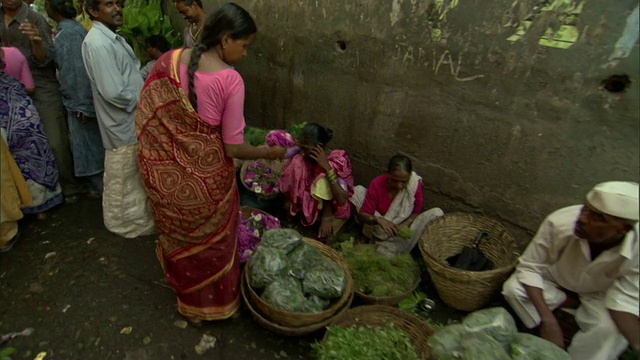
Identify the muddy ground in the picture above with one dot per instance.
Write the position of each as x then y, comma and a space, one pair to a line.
82, 288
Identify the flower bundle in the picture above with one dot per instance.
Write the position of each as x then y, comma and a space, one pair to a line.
261, 178
250, 232
280, 138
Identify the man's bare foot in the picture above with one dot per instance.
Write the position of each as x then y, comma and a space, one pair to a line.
42, 216
235, 315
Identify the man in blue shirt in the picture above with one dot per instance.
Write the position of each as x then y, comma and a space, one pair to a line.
84, 134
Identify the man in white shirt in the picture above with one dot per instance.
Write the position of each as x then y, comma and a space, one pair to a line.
114, 73
584, 257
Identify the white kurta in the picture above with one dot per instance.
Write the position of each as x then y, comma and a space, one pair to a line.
555, 259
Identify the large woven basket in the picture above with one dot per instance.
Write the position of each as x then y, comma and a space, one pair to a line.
448, 236
287, 330
381, 315
298, 319
277, 165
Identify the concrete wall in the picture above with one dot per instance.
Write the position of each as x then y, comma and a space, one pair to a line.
497, 117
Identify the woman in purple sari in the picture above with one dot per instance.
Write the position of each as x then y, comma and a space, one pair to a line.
29, 145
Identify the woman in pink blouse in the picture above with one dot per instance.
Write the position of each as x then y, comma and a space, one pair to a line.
394, 200
190, 126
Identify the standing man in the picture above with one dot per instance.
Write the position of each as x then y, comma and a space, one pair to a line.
156, 46
584, 257
84, 135
30, 32
114, 72
193, 12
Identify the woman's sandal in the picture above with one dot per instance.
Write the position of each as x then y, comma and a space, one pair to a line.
194, 322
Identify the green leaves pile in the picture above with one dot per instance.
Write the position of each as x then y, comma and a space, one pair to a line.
255, 136
365, 343
143, 18
379, 275
405, 232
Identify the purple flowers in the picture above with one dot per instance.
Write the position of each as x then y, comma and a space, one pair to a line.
280, 138
250, 232
261, 178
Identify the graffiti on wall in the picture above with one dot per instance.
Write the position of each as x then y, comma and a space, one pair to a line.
567, 12
627, 41
438, 62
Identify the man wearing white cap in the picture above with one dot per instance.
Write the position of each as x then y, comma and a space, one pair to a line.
584, 257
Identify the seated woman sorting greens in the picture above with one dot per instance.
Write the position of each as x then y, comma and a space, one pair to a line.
391, 209
318, 185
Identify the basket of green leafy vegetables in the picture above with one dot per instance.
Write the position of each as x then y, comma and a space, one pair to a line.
377, 278
375, 332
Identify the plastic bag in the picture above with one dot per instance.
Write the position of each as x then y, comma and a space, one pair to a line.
283, 239
303, 258
325, 279
266, 265
480, 346
315, 304
495, 322
445, 343
285, 293
530, 347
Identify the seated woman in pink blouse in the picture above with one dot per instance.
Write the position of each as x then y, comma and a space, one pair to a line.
317, 183
17, 67
394, 200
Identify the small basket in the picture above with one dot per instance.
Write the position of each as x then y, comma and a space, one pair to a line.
248, 210
298, 319
277, 165
381, 315
447, 236
386, 300
287, 330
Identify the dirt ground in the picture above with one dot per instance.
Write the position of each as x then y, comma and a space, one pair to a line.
82, 289
89, 294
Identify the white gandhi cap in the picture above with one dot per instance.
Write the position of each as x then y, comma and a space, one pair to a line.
616, 198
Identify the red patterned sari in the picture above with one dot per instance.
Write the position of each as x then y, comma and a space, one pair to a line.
192, 187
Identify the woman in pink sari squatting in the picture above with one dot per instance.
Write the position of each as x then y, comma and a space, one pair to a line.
318, 186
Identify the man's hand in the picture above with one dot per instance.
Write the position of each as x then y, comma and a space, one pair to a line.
550, 330
31, 31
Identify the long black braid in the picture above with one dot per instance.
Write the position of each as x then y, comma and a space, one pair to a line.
230, 19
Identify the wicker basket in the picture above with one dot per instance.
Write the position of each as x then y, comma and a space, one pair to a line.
386, 300
277, 165
447, 236
287, 330
381, 315
248, 210
297, 319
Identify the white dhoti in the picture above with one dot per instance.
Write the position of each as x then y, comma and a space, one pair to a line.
598, 337
126, 209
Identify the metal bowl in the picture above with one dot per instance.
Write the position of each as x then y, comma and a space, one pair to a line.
427, 305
